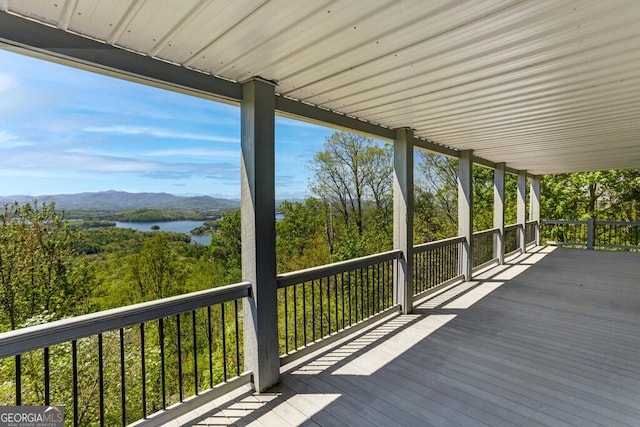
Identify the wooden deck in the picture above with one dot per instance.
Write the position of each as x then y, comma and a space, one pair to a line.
551, 339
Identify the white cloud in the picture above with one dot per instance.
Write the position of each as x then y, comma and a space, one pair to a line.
24, 173
6, 82
34, 161
9, 140
194, 152
159, 133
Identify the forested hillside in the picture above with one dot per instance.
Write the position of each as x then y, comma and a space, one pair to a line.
113, 201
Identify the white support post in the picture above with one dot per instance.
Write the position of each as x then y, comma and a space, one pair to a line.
465, 210
534, 205
258, 232
522, 209
403, 217
498, 211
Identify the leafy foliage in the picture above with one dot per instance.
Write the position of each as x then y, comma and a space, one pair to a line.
604, 195
226, 246
436, 198
157, 270
353, 179
39, 270
302, 235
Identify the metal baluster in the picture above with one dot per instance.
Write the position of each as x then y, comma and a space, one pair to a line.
162, 363
195, 352
321, 310
342, 293
18, 363
421, 263
367, 289
295, 317
447, 255
451, 256
335, 290
286, 322
47, 380
74, 373
378, 283
100, 378
328, 304
433, 263
224, 342
304, 312
441, 265
123, 399
416, 272
144, 373
179, 339
349, 296
389, 280
362, 289
384, 283
355, 291
418, 278
313, 310
210, 339
235, 304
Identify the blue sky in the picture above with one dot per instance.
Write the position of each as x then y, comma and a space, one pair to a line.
64, 130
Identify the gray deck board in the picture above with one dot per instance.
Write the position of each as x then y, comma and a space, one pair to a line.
556, 344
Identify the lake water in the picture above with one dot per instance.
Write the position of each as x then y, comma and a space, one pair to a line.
176, 226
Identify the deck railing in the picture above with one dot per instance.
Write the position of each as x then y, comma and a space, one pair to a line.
511, 240
617, 235
119, 366
316, 303
483, 247
148, 362
435, 263
530, 232
565, 233
590, 234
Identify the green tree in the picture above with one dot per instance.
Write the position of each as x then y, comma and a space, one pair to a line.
352, 175
436, 197
39, 270
605, 195
226, 246
158, 270
300, 241
482, 198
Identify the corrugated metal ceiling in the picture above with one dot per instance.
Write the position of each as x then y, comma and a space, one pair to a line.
547, 86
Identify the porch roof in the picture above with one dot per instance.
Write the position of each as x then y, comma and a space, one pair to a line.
546, 86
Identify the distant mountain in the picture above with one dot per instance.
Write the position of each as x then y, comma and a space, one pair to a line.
120, 200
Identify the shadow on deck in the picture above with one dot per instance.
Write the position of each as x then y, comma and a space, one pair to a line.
549, 339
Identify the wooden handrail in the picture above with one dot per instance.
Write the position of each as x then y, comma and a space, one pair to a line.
288, 279
65, 330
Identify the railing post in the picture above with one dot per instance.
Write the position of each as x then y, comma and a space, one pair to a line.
498, 212
258, 231
534, 205
403, 217
522, 210
465, 211
591, 232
